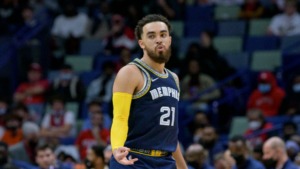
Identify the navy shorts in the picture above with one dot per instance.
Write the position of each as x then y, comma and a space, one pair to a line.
145, 162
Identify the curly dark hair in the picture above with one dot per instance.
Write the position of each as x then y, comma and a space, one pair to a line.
148, 19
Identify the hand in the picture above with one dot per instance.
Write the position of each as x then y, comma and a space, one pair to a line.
120, 155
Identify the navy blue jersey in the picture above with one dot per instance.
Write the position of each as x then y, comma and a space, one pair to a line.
153, 119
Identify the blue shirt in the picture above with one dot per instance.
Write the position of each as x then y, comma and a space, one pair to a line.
252, 164
289, 165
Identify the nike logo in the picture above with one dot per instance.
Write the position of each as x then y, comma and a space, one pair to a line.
153, 80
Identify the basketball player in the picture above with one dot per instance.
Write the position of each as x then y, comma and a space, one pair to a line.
145, 99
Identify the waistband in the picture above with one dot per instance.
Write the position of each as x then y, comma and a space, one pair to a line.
152, 153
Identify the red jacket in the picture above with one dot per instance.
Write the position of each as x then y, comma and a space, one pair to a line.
269, 102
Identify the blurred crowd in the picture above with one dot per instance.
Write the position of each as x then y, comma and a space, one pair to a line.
61, 121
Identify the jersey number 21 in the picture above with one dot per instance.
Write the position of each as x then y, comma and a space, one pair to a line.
168, 116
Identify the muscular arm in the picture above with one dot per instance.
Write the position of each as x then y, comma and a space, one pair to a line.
180, 162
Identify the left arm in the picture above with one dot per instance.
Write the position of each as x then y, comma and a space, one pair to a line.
180, 162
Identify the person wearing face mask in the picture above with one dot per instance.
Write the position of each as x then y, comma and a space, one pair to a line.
5, 161
290, 104
196, 157
256, 122
13, 133
209, 141
241, 154
275, 155
25, 150
68, 84
268, 95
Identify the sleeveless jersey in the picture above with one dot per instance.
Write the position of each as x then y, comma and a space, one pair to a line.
153, 119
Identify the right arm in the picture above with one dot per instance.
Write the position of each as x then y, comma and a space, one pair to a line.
125, 84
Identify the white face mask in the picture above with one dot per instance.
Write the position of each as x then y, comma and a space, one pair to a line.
296, 88
254, 125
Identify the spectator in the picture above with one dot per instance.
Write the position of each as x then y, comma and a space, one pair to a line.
196, 157
25, 150
256, 123
46, 159
101, 87
125, 58
120, 36
59, 123
22, 111
200, 121
251, 9
69, 28
290, 129
268, 96
275, 155
241, 153
273, 8
5, 161
289, 105
258, 153
287, 23
95, 157
292, 149
209, 141
97, 135
13, 133
223, 161
196, 82
68, 84
32, 93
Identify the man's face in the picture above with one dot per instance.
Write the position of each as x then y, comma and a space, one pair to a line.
269, 152
45, 158
156, 41
34, 76
57, 106
209, 134
97, 119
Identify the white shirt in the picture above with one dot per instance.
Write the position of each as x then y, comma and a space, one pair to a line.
66, 26
69, 118
283, 24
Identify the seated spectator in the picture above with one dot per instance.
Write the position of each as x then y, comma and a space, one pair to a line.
32, 93
59, 122
251, 9
120, 36
196, 82
292, 149
97, 135
287, 23
256, 123
241, 153
68, 84
5, 161
289, 130
268, 95
258, 153
46, 159
22, 111
209, 141
25, 150
289, 105
125, 58
196, 157
13, 132
95, 157
223, 161
69, 28
101, 87
200, 121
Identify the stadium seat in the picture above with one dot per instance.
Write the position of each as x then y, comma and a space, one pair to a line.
226, 12
266, 60
199, 13
100, 59
231, 28
228, 44
278, 120
290, 44
194, 29
80, 64
185, 43
90, 46
237, 60
88, 77
177, 28
254, 43
258, 27
238, 126
52, 75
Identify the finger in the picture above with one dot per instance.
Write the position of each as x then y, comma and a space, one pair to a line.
121, 155
128, 162
121, 149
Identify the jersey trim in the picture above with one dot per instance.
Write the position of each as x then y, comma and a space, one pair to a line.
161, 75
175, 79
147, 82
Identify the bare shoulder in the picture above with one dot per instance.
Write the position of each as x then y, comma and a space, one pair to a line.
127, 79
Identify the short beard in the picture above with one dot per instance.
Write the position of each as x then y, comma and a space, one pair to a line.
161, 57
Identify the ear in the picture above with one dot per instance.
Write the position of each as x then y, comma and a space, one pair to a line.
141, 44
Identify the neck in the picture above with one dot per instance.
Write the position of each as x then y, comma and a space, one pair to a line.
99, 165
159, 67
282, 161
